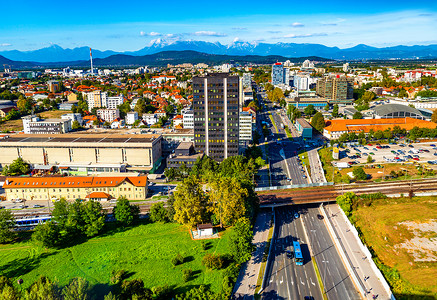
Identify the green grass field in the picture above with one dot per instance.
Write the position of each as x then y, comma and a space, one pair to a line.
145, 251
17, 125
381, 229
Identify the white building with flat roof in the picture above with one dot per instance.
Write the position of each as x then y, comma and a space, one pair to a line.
188, 119
108, 115
131, 117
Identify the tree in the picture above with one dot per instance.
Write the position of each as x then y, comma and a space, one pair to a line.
7, 290
75, 125
357, 115
309, 110
43, 289
24, 104
369, 159
335, 111
140, 107
7, 223
276, 95
124, 212
326, 107
318, 121
359, 173
227, 200
93, 218
190, 202
434, 116
346, 201
158, 213
17, 167
241, 245
403, 94
77, 289
47, 234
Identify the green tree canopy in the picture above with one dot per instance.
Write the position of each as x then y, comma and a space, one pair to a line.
359, 173
309, 110
17, 167
190, 202
318, 121
124, 212
241, 245
7, 223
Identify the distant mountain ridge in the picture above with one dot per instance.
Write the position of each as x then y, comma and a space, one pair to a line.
56, 53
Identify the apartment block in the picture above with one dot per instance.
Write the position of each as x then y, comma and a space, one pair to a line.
216, 114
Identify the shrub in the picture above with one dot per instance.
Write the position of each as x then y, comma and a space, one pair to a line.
211, 261
186, 274
177, 260
161, 292
118, 276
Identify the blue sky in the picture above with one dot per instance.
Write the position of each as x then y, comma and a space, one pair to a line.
132, 25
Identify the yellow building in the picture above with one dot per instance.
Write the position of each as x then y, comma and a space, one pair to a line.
72, 97
72, 188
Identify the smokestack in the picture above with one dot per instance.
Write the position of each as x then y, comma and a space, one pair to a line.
91, 58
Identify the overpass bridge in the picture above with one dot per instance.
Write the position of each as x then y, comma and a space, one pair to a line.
308, 194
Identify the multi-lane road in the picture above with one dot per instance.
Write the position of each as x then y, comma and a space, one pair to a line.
285, 279
285, 167
336, 280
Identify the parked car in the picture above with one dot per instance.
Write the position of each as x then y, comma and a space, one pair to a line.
320, 217
38, 206
416, 158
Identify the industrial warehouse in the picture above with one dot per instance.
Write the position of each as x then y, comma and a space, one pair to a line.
335, 128
72, 188
84, 152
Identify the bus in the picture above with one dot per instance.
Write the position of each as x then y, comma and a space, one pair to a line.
297, 253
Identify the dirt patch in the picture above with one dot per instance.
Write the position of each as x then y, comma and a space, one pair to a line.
423, 246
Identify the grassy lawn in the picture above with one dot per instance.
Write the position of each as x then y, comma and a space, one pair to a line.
145, 251
17, 125
382, 230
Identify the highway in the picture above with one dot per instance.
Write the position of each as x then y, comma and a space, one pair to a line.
285, 280
337, 281
283, 157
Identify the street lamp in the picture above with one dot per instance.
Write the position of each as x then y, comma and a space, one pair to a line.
324, 275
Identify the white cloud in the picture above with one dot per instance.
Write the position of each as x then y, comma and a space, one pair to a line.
209, 33
5, 45
295, 36
297, 24
142, 33
333, 23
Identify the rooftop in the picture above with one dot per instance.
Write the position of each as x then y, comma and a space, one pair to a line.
74, 181
81, 138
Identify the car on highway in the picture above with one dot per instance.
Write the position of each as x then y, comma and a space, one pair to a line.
289, 254
320, 217
296, 215
308, 298
38, 206
432, 145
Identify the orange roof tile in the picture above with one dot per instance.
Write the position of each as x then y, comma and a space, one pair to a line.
76, 181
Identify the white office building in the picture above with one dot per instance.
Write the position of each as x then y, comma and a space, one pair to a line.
73, 117
131, 117
108, 115
150, 119
114, 102
245, 129
188, 119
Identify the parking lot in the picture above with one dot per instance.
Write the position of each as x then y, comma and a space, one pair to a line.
384, 153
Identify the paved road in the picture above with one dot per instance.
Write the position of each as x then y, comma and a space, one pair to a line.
336, 279
286, 280
283, 155
245, 286
359, 261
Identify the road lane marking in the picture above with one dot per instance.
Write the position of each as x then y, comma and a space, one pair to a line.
301, 281
282, 280
312, 282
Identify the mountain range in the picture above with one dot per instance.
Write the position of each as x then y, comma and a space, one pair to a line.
161, 59
56, 53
